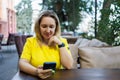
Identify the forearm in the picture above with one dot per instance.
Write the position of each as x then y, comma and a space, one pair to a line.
27, 67
66, 58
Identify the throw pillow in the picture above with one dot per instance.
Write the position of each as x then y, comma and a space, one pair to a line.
104, 57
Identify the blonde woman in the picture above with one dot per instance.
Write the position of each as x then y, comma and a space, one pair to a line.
46, 46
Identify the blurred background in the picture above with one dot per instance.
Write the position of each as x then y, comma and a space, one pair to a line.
87, 18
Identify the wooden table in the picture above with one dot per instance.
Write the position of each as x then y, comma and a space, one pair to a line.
76, 74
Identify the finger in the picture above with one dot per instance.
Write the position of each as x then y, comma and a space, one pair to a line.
40, 75
57, 40
53, 71
46, 71
45, 75
40, 67
49, 73
50, 41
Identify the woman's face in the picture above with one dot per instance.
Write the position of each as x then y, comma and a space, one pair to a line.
47, 27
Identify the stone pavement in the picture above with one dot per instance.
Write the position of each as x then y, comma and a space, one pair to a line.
8, 62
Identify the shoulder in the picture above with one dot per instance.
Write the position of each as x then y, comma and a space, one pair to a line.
31, 39
64, 40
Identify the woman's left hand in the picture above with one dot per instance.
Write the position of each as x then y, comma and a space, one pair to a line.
54, 39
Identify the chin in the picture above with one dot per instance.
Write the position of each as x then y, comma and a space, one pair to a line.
47, 38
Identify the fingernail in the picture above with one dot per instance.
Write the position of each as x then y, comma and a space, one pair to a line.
53, 71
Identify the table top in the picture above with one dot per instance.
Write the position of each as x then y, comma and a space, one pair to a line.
76, 74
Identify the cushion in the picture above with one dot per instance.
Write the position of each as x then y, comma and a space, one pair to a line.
77, 43
100, 57
74, 52
97, 43
83, 42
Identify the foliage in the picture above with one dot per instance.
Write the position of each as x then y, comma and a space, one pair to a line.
115, 24
24, 16
109, 25
85, 35
68, 11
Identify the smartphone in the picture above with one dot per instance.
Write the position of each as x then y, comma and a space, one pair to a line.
49, 65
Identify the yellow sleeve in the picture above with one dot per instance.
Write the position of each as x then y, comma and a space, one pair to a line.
26, 53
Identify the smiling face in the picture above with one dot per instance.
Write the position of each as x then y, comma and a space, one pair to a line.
47, 28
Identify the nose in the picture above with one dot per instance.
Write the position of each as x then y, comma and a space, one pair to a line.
48, 29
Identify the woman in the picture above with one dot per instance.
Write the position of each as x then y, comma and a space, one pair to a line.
46, 46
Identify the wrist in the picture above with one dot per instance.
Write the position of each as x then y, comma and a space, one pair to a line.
61, 45
36, 72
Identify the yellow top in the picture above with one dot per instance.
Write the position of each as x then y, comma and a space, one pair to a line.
37, 55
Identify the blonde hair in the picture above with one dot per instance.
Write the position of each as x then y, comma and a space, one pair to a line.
46, 13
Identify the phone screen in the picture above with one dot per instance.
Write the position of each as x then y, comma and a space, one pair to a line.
49, 65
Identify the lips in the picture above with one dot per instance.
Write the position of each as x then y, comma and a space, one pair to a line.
47, 35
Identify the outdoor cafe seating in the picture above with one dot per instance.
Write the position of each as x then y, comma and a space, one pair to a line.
10, 41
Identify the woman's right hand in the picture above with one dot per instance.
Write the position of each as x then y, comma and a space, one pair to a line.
43, 74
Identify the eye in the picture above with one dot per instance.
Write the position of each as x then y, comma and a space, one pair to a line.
43, 26
52, 26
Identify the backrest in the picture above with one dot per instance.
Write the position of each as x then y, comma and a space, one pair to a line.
24, 37
19, 44
10, 40
71, 40
20, 41
1, 37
